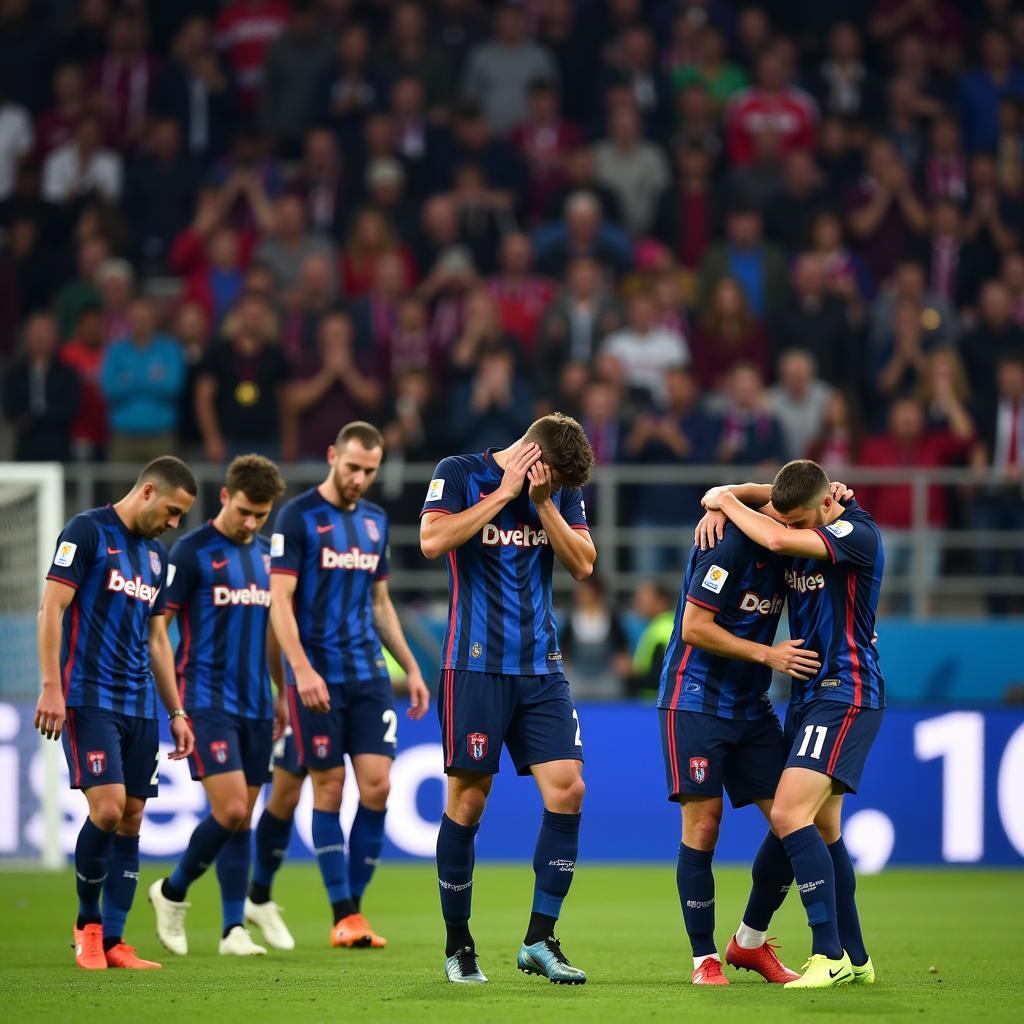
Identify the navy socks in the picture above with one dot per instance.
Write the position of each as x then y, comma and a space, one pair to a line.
455, 860
203, 846
772, 873
554, 861
119, 888
329, 843
696, 886
365, 842
816, 883
233, 874
273, 835
846, 906
92, 852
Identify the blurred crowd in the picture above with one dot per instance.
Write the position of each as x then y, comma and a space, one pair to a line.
715, 232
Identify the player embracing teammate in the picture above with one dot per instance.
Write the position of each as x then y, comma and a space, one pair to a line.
833, 576
499, 519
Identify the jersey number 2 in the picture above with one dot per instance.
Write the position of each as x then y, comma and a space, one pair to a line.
575, 715
819, 740
390, 720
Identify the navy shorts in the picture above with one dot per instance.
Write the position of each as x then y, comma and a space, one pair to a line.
362, 720
704, 753
833, 738
231, 743
533, 716
104, 747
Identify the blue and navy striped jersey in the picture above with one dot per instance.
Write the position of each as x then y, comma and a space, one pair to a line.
221, 591
118, 577
499, 618
832, 605
742, 583
337, 555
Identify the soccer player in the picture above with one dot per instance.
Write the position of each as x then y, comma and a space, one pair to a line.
500, 518
331, 612
101, 645
719, 730
219, 585
833, 581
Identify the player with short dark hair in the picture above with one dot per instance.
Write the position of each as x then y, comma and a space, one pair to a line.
501, 671
719, 730
331, 612
219, 585
833, 581
102, 643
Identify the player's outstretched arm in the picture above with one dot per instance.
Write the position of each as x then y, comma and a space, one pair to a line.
161, 660
50, 709
769, 534
441, 532
573, 548
701, 630
310, 684
276, 667
389, 629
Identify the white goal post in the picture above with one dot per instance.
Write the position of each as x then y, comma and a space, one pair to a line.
31, 517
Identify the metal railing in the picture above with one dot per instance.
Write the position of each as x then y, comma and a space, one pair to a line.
957, 589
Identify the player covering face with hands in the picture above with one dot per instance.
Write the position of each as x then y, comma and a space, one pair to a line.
833, 578
104, 657
499, 519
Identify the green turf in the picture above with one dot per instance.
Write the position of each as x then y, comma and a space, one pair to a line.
622, 925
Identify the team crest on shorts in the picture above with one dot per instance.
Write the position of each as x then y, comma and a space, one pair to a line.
698, 769
219, 751
476, 650
477, 744
154, 563
371, 529
97, 761
321, 746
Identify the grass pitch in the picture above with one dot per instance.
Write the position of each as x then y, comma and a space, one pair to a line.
622, 925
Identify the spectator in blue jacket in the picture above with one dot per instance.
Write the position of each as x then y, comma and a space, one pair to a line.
142, 377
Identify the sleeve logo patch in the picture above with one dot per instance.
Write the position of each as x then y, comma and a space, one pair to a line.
435, 490
277, 545
715, 579
583, 508
171, 570
65, 554
840, 528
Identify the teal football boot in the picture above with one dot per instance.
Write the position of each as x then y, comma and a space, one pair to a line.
547, 959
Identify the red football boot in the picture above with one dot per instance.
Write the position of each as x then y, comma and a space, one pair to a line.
89, 948
761, 960
125, 956
709, 972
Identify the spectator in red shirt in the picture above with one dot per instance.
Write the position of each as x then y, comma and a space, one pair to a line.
370, 238
727, 334
122, 80
770, 105
84, 352
544, 139
883, 209
521, 295
57, 125
245, 28
690, 209
909, 444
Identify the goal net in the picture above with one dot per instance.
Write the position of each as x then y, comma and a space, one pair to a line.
31, 516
